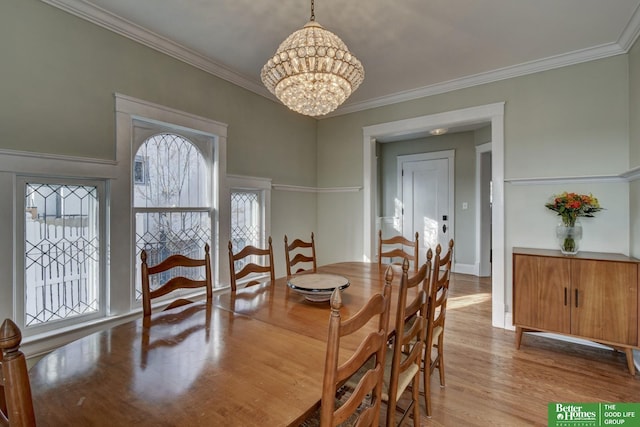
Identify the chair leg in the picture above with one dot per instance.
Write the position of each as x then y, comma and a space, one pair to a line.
441, 359
426, 362
415, 395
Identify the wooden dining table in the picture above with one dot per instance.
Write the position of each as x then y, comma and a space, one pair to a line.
252, 357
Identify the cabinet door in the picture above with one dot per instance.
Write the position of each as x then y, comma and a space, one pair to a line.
541, 296
605, 301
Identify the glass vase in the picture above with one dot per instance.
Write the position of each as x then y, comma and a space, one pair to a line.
569, 237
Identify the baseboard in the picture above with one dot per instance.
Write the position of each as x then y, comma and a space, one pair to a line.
508, 322
500, 318
471, 269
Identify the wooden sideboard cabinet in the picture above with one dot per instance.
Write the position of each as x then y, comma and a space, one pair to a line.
590, 295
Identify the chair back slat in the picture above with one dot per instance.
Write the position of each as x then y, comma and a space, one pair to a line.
250, 267
303, 253
179, 282
398, 247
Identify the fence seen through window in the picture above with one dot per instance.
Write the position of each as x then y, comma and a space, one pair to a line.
62, 261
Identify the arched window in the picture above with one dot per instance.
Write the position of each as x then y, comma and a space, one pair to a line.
171, 200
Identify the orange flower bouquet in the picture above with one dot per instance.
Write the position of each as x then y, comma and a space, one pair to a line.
571, 206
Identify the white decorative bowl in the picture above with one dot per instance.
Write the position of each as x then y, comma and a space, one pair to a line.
317, 287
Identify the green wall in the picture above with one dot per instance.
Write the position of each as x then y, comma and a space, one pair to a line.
60, 73
567, 122
634, 106
634, 145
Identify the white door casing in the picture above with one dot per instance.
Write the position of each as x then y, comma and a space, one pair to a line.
491, 113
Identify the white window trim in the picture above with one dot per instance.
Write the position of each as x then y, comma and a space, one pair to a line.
19, 287
13, 164
205, 145
123, 269
238, 182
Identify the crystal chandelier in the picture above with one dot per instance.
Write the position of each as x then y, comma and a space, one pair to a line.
312, 72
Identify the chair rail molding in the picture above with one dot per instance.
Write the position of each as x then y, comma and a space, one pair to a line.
302, 189
627, 176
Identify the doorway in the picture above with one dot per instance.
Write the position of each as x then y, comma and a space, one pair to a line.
491, 113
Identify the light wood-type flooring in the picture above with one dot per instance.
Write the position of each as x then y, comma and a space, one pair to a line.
490, 383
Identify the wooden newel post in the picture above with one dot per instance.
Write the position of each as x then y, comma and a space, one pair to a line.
15, 377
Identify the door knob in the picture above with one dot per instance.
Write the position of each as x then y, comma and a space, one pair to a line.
444, 228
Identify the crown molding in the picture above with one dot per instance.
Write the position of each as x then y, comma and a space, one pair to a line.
519, 70
112, 22
626, 40
128, 29
631, 32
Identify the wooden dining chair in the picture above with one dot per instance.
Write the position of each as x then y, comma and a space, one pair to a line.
177, 264
16, 404
300, 251
362, 407
398, 247
402, 370
247, 255
437, 310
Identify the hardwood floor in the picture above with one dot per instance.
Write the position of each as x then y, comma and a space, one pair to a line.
490, 383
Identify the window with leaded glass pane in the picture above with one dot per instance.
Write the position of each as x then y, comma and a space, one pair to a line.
62, 252
171, 202
246, 221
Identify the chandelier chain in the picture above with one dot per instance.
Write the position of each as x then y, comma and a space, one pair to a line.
313, 15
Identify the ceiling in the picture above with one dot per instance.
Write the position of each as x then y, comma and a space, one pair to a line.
409, 48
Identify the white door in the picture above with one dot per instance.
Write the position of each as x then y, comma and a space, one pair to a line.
427, 198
